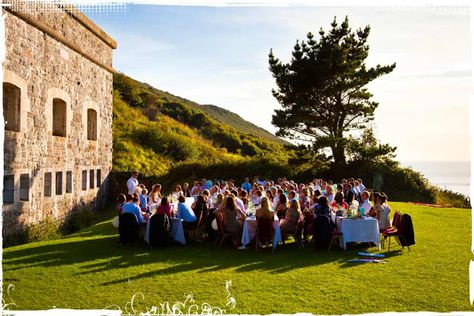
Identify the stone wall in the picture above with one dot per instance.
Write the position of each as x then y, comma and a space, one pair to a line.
45, 69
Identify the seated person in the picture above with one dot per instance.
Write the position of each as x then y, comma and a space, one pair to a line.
233, 217
322, 208
265, 210
121, 200
382, 212
164, 208
144, 200
339, 204
257, 198
365, 203
304, 198
329, 193
291, 195
200, 206
282, 206
186, 213
293, 213
134, 208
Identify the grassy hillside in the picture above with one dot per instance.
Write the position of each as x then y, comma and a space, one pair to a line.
232, 119
154, 130
89, 270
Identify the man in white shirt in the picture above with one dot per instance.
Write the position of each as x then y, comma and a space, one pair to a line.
213, 195
361, 185
317, 185
366, 205
132, 183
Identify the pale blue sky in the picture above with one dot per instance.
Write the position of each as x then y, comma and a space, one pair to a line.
219, 55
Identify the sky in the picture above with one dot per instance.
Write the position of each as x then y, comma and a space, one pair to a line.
219, 55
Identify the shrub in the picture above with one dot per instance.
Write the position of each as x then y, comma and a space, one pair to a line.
76, 220
47, 229
452, 199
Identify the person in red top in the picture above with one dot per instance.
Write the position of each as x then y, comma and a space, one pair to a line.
338, 202
164, 208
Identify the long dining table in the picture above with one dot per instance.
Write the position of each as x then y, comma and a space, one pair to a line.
365, 229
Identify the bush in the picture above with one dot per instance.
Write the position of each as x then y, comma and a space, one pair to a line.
51, 228
77, 220
47, 229
452, 199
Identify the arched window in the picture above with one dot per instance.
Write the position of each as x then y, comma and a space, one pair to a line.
11, 106
59, 117
91, 124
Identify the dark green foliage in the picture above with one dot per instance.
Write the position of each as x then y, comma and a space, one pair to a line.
76, 220
323, 91
47, 229
453, 199
368, 149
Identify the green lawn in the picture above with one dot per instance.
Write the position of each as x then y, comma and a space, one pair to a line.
89, 270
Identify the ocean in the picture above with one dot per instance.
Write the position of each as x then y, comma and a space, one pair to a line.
451, 175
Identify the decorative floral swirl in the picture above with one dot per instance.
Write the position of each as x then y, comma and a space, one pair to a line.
6, 305
188, 307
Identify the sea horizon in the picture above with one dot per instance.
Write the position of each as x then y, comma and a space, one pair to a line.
446, 174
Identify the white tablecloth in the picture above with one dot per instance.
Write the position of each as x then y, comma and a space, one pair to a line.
250, 229
359, 230
177, 231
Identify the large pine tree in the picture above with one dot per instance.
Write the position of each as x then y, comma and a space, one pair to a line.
323, 91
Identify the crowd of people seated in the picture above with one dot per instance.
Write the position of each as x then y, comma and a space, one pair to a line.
284, 200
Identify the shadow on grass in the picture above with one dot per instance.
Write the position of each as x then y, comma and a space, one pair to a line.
98, 243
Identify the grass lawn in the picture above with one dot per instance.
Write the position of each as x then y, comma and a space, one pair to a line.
88, 270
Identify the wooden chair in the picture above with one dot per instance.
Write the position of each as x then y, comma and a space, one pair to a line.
264, 234
194, 232
222, 234
296, 234
336, 238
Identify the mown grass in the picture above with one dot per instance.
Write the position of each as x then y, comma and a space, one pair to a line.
89, 270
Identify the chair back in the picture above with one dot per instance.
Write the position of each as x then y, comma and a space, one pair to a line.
160, 229
264, 231
309, 217
220, 222
321, 232
201, 217
397, 217
128, 227
401, 224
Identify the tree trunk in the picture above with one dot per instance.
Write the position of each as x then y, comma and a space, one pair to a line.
338, 154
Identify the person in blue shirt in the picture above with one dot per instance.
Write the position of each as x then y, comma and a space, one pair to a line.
133, 207
246, 185
144, 200
186, 213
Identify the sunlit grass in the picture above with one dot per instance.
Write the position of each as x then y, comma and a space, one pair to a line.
89, 270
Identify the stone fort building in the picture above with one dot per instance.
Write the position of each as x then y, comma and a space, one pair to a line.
57, 106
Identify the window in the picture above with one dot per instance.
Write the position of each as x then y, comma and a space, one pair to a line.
91, 124
84, 180
47, 184
99, 178
68, 181
11, 106
59, 118
24, 187
91, 179
8, 189
59, 183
